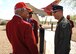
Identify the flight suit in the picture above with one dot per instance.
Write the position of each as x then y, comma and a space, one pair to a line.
62, 37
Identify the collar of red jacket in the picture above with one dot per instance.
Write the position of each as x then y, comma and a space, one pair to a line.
18, 16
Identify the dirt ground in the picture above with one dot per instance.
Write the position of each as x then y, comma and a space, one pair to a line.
5, 47
74, 34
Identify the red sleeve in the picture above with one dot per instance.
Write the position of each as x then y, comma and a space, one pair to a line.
72, 23
36, 31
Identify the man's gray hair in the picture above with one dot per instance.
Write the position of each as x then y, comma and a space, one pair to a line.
19, 10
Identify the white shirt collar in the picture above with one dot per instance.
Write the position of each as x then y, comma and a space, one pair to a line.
18, 16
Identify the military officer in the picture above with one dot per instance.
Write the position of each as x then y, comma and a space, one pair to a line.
63, 31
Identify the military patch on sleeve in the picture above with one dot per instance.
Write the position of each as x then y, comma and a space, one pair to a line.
63, 25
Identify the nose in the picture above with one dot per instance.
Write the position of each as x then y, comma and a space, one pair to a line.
27, 15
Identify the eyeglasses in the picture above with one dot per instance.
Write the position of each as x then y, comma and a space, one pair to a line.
30, 12
55, 11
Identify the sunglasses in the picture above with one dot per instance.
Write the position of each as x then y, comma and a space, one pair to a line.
55, 11
30, 12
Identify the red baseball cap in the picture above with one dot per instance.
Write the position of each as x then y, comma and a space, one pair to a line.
29, 9
21, 5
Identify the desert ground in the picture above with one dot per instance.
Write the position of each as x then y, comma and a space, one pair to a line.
5, 46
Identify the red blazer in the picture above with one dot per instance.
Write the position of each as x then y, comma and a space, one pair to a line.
21, 36
72, 23
34, 24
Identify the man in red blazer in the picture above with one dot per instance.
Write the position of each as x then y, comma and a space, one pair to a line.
71, 23
34, 23
20, 33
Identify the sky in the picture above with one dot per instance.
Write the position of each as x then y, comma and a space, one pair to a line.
7, 6
69, 7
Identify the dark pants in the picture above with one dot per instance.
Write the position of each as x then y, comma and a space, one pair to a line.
42, 40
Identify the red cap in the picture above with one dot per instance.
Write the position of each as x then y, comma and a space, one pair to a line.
20, 5
29, 9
